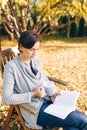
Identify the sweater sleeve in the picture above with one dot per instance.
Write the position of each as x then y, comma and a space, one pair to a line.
8, 94
48, 85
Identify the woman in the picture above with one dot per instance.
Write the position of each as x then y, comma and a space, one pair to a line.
25, 82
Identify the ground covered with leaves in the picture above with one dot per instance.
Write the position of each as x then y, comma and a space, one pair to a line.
66, 61
69, 63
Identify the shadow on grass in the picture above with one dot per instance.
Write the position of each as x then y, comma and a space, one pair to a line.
80, 40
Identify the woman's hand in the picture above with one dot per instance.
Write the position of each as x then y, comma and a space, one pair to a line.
54, 96
39, 92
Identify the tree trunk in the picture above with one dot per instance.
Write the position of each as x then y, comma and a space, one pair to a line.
68, 31
68, 28
11, 36
0, 44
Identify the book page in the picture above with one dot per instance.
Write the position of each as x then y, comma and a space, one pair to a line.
63, 104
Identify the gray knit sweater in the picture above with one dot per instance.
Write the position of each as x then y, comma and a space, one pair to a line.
18, 83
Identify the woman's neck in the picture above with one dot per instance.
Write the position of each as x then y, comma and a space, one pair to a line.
24, 59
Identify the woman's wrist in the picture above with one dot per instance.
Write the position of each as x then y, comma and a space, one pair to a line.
33, 94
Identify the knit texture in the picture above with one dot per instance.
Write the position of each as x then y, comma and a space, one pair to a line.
18, 83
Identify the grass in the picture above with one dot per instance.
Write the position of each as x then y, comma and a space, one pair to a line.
62, 40
53, 37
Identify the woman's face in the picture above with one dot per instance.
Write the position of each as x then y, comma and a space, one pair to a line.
30, 53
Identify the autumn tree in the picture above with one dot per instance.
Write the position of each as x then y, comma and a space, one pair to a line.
18, 16
69, 8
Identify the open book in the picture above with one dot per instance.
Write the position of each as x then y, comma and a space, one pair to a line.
64, 104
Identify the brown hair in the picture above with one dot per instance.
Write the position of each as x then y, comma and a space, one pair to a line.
28, 39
